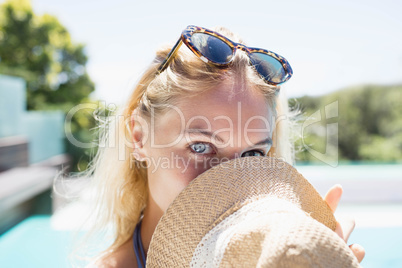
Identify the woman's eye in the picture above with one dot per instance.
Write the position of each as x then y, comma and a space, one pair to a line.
252, 153
201, 148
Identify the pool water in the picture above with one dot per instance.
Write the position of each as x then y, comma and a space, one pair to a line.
383, 246
33, 243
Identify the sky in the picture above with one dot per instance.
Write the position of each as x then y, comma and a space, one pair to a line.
329, 44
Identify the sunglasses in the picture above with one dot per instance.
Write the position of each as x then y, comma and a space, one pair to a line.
214, 48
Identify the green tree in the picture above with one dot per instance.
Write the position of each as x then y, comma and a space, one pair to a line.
40, 49
369, 123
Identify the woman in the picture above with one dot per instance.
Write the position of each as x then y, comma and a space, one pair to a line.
193, 108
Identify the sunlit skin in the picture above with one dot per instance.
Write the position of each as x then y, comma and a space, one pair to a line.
219, 111
187, 130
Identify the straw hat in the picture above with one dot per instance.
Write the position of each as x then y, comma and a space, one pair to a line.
249, 212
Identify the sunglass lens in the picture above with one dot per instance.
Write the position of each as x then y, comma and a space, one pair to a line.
270, 68
212, 48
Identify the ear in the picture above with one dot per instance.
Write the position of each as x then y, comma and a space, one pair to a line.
139, 134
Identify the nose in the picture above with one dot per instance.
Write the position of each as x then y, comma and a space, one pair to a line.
234, 153
227, 156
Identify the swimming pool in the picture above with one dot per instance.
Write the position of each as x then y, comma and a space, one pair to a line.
34, 243
383, 246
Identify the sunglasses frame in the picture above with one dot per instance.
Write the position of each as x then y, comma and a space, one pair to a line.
186, 39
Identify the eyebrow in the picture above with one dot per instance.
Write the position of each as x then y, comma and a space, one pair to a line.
203, 132
209, 134
267, 141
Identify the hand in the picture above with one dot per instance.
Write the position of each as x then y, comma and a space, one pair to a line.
345, 229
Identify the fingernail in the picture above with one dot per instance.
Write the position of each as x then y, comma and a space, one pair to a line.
338, 186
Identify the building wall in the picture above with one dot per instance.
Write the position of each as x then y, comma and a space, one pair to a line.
43, 130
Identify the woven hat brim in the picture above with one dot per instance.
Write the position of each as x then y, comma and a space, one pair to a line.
271, 232
220, 191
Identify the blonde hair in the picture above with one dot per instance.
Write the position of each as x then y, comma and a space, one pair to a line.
120, 187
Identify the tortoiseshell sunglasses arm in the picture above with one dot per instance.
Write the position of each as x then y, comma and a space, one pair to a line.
170, 56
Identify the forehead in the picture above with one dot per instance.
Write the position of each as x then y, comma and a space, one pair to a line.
221, 107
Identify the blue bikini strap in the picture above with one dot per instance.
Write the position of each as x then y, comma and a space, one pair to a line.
138, 247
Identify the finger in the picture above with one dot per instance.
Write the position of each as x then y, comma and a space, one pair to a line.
358, 251
347, 225
333, 196
338, 230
